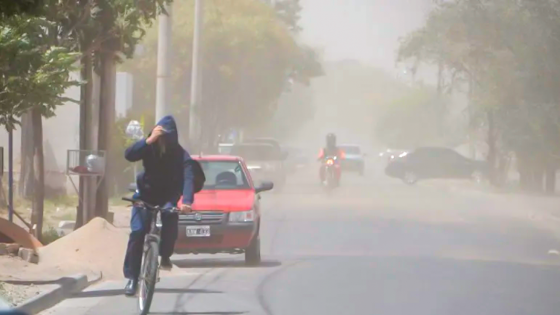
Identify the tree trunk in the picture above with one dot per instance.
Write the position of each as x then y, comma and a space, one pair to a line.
538, 172
524, 172
440, 106
84, 209
39, 173
25, 183
3, 199
492, 152
106, 122
550, 179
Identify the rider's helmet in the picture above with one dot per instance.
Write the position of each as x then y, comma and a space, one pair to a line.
331, 140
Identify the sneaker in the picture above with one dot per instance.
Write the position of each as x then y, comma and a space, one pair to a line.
166, 263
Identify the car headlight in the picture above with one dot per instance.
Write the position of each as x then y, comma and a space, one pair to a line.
242, 216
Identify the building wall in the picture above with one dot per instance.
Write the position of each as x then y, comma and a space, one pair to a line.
62, 133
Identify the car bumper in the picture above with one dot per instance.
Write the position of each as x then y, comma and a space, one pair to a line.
393, 170
354, 165
224, 238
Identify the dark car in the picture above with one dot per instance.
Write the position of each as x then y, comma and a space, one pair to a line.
435, 162
353, 159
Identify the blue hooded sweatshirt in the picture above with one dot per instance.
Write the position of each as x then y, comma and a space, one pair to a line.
167, 175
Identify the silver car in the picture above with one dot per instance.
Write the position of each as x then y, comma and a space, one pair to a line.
264, 161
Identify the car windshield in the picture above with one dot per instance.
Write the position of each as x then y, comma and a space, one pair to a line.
224, 175
350, 149
255, 152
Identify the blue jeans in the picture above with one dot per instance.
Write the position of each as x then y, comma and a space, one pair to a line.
140, 225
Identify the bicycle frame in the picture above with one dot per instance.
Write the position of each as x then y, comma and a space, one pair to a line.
153, 236
155, 225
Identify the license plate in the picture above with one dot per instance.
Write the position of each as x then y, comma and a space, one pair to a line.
198, 231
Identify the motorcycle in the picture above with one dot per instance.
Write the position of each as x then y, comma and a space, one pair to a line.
330, 181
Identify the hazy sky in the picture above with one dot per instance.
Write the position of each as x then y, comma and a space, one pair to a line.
367, 30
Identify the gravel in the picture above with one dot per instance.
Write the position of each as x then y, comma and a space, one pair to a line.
16, 294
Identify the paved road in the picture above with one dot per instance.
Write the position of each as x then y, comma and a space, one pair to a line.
375, 247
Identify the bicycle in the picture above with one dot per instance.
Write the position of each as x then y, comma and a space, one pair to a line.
149, 270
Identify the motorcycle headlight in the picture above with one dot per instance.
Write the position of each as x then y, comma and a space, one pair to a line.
242, 216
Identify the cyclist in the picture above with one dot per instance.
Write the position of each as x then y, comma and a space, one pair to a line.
167, 175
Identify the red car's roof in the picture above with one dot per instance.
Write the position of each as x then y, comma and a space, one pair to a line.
216, 158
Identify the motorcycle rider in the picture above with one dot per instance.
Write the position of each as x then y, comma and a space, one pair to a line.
331, 150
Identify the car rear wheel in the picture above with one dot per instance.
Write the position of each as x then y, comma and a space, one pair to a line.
253, 252
410, 178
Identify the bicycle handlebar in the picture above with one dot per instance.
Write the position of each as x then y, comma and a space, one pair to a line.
149, 206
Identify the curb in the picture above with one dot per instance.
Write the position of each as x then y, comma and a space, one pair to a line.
66, 287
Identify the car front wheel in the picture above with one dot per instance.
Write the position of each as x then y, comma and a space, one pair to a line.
253, 252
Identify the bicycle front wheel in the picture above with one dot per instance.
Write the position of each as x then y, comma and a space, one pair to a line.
148, 277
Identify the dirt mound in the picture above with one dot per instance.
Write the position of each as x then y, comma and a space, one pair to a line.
97, 246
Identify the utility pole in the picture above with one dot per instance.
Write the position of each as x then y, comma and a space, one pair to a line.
196, 77
163, 60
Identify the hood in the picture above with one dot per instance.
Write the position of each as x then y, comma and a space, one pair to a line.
168, 123
224, 200
266, 166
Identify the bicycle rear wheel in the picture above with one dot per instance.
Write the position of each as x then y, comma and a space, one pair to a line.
148, 277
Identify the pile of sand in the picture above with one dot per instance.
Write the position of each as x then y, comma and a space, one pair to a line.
96, 247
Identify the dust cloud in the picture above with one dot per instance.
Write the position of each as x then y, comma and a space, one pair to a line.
358, 40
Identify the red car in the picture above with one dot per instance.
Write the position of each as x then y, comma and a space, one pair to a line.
226, 217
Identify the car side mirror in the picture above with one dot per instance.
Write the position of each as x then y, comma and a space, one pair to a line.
264, 186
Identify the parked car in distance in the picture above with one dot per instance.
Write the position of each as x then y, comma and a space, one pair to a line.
226, 217
296, 159
272, 142
265, 159
66, 227
354, 158
391, 154
224, 148
435, 162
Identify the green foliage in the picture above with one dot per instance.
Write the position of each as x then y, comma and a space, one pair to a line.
49, 236
289, 12
10, 8
508, 52
124, 170
33, 71
409, 121
247, 58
